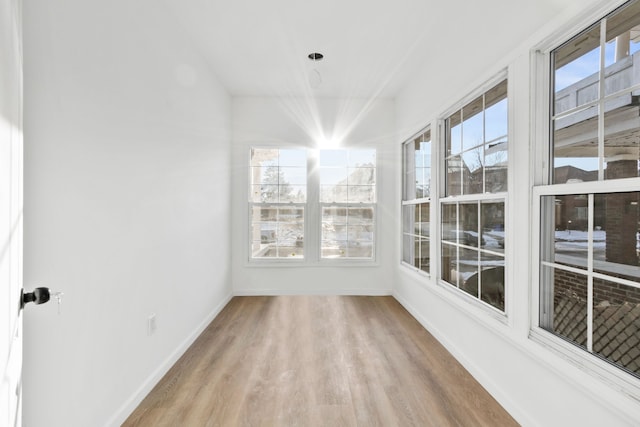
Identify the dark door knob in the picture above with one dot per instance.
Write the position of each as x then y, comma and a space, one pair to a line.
38, 296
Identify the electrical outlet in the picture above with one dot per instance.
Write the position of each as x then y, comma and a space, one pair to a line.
151, 324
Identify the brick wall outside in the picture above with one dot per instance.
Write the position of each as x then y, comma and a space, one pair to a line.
566, 282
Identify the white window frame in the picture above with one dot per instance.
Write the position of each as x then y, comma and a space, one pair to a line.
416, 202
312, 215
251, 204
347, 205
541, 163
438, 154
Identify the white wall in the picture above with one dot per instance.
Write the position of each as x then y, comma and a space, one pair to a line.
299, 122
127, 136
10, 212
535, 385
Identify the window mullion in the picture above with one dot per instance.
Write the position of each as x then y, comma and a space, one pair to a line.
313, 218
590, 226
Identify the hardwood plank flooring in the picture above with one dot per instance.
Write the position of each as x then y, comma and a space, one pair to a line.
317, 361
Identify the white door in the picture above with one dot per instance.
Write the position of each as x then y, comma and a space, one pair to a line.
10, 212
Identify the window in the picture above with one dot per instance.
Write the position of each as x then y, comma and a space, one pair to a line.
277, 202
347, 201
344, 190
472, 211
416, 201
589, 213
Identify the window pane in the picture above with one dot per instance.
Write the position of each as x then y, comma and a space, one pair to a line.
569, 292
422, 257
622, 136
333, 158
467, 231
360, 216
423, 227
621, 34
617, 217
408, 250
492, 227
409, 161
293, 157
453, 142
496, 120
334, 176
293, 193
449, 263
569, 229
264, 157
333, 193
271, 182
334, 249
492, 280
575, 147
410, 219
495, 170
277, 232
293, 176
350, 176
466, 269
362, 158
361, 176
449, 222
423, 167
290, 236
472, 171
360, 249
574, 62
616, 336
473, 124
347, 232
423, 183
265, 193
454, 176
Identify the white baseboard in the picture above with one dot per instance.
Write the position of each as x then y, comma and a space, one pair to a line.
132, 403
479, 374
276, 292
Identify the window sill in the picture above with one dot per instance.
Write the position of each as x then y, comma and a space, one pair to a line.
291, 263
590, 364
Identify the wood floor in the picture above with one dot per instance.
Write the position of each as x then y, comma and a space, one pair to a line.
317, 361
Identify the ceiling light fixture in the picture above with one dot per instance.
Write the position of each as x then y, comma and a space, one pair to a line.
315, 79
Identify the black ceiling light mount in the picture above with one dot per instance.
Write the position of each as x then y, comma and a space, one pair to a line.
315, 79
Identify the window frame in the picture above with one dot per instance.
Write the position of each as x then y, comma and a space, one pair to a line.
541, 164
312, 214
441, 198
406, 201
251, 204
346, 205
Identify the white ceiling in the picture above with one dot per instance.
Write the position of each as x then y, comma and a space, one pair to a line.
371, 47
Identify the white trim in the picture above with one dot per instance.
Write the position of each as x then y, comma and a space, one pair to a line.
577, 24
307, 291
312, 214
592, 365
133, 401
588, 187
413, 268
